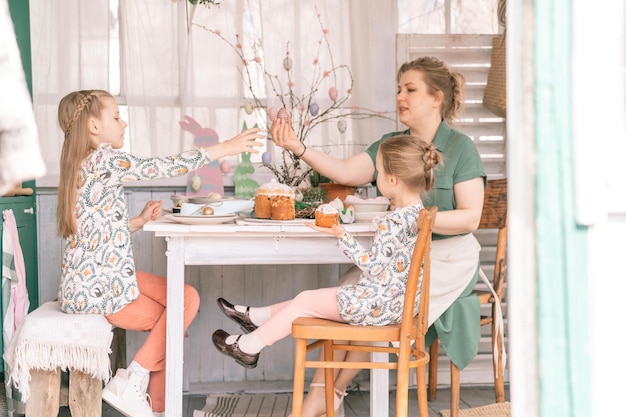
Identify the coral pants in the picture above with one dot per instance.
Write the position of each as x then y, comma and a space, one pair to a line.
148, 314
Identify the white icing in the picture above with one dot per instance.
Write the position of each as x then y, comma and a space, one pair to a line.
327, 209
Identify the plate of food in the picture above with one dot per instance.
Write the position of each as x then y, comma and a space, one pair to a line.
202, 219
270, 221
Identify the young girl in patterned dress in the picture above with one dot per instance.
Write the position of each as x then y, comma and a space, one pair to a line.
98, 270
405, 167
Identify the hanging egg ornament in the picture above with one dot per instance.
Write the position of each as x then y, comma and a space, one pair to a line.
342, 125
272, 112
314, 109
266, 158
196, 183
248, 107
333, 93
287, 63
224, 167
283, 114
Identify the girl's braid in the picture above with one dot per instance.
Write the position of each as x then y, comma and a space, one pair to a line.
84, 102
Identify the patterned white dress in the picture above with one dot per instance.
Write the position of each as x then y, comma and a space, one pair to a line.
98, 269
377, 298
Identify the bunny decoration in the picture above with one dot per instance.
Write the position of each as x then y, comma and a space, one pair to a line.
207, 179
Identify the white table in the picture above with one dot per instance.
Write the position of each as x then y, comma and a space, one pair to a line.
243, 243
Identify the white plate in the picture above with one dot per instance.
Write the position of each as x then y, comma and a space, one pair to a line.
201, 219
368, 216
368, 205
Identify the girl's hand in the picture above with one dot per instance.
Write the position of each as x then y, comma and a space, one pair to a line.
285, 137
243, 142
151, 211
337, 230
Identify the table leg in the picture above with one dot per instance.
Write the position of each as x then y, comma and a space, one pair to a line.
174, 344
379, 389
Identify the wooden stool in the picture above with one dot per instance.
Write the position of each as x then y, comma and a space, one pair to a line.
49, 342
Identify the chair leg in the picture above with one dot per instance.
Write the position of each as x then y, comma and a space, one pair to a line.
329, 380
44, 393
422, 399
455, 390
298, 378
498, 376
402, 392
85, 395
432, 370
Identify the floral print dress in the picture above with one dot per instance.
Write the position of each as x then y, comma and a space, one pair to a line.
98, 269
377, 298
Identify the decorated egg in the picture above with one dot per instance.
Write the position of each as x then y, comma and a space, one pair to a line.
314, 109
272, 112
287, 63
214, 196
266, 158
342, 125
332, 93
248, 107
283, 114
224, 167
208, 210
196, 183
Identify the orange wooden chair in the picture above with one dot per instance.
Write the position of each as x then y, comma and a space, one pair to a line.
494, 216
409, 335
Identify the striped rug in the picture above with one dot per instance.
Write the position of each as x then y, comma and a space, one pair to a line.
491, 410
246, 405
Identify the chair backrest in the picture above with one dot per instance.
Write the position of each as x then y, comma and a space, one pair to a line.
415, 326
494, 216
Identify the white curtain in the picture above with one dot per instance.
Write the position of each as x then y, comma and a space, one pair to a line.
172, 65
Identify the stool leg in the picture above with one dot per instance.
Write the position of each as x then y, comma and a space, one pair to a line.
85, 395
44, 393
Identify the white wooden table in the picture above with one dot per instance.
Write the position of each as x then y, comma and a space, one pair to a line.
243, 244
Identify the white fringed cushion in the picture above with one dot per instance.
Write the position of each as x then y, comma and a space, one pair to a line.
49, 339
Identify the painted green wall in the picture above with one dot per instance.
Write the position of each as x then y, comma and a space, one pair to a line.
562, 279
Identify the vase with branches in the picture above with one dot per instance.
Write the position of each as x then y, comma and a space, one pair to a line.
305, 112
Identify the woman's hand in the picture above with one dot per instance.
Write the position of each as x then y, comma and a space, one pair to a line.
284, 136
245, 141
151, 211
337, 230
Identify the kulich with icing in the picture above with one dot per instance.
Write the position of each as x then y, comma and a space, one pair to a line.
326, 215
275, 201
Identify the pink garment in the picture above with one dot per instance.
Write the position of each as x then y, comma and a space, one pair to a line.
320, 303
19, 295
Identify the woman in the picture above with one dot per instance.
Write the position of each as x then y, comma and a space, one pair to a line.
428, 100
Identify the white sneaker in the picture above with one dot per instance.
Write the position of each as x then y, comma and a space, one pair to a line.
126, 392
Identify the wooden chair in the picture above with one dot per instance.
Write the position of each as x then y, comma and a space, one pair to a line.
494, 216
409, 334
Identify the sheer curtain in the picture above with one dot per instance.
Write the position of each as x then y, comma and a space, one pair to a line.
168, 64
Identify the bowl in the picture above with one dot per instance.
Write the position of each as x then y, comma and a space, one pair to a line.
367, 205
228, 206
368, 216
178, 199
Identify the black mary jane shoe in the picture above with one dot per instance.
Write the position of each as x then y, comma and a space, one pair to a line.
247, 360
242, 319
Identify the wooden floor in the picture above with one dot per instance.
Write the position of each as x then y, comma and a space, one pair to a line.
357, 402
